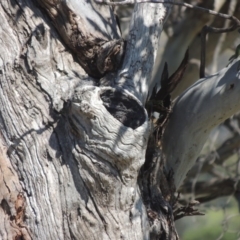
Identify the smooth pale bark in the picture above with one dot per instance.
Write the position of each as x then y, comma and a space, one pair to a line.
196, 112
185, 34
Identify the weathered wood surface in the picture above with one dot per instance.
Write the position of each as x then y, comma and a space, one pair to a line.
70, 152
73, 143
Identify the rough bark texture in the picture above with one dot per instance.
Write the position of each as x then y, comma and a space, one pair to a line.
71, 150
76, 159
90, 31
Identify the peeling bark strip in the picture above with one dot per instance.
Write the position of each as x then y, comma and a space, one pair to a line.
96, 50
12, 202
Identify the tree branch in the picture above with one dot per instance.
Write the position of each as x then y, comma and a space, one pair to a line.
142, 45
226, 16
183, 34
209, 190
217, 157
197, 111
97, 47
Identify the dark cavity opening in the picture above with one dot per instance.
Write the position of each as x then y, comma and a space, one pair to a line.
126, 110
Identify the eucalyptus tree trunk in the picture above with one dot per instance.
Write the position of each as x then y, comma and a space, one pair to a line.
74, 130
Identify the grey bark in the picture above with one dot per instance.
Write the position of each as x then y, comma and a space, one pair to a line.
74, 130
73, 158
197, 111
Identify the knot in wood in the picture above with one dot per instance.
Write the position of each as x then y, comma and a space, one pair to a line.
85, 108
110, 56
